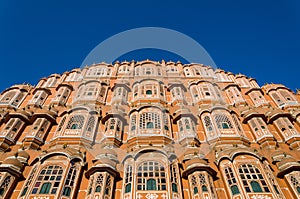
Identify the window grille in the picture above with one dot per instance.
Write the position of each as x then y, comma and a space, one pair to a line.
71, 179
231, 180
174, 178
128, 179
151, 175
48, 180
76, 122
150, 120
29, 181
252, 178
223, 121
5, 185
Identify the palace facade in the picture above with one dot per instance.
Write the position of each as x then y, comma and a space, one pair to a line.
149, 130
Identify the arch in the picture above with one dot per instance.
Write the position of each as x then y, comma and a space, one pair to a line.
233, 153
69, 153
148, 150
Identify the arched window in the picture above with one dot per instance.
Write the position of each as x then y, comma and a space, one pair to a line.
174, 177
174, 188
253, 179
231, 180
133, 124
200, 183
196, 190
99, 71
287, 95
151, 175
177, 93
90, 126
29, 181
234, 95
51, 81
208, 123
286, 128
128, 179
150, 120
186, 127
61, 95
257, 97
73, 76
61, 124
113, 127
76, 122
71, 179
259, 128
293, 179
223, 121
99, 183
48, 180
39, 128
39, 98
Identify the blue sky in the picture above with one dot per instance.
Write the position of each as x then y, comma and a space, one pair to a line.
256, 38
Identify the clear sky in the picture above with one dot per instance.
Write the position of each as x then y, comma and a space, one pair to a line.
258, 38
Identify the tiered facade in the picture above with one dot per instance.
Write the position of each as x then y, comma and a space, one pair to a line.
149, 130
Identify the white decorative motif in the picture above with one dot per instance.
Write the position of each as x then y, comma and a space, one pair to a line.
41, 197
151, 196
164, 196
261, 197
139, 196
